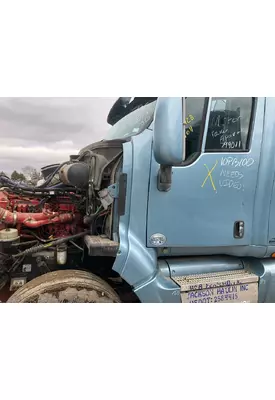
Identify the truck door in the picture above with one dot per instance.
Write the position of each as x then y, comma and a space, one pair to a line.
210, 203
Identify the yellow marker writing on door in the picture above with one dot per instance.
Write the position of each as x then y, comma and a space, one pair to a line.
209, 176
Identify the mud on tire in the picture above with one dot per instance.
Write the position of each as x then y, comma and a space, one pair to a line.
69, 286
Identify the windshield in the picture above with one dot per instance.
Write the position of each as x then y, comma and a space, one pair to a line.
133, 124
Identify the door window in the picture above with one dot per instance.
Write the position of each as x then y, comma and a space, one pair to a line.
228, 128
229, 124
196, 108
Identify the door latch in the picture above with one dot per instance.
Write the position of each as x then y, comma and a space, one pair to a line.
239, 229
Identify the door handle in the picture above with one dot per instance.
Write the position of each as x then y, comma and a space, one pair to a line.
239, 229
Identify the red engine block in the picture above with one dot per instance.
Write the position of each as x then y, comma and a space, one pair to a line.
58, 217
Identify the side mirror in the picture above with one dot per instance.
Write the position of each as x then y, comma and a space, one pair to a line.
169, 131
169, 137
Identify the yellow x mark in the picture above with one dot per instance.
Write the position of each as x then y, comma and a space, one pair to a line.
209, 175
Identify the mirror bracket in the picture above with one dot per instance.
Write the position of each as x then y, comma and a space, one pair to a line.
164, 178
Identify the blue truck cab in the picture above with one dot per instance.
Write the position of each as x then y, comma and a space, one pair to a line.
199, 199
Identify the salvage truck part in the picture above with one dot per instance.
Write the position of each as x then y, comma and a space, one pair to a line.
175, 205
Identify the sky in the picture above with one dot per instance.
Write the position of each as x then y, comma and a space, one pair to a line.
41, 131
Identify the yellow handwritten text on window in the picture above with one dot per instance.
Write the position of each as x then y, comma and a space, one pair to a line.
188, 121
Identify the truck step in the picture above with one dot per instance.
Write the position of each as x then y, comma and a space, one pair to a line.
101, 246
219, 287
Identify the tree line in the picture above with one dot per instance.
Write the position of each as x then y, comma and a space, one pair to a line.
28, 175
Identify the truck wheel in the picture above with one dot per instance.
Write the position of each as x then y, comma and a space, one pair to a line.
69, 286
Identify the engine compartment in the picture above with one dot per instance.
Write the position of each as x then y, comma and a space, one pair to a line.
45, 228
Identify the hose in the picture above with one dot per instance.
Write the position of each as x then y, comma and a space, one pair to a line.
85, 152
36, 236
30, 190
51, 176
42, 188
55, 242
33, 220
109, 163
88, 219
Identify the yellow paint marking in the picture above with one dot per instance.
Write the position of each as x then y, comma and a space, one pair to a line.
209, 175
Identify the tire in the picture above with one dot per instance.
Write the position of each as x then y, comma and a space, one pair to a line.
69, 286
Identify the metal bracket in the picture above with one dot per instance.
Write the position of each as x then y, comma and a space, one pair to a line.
164, 178
113, 190
101, 246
